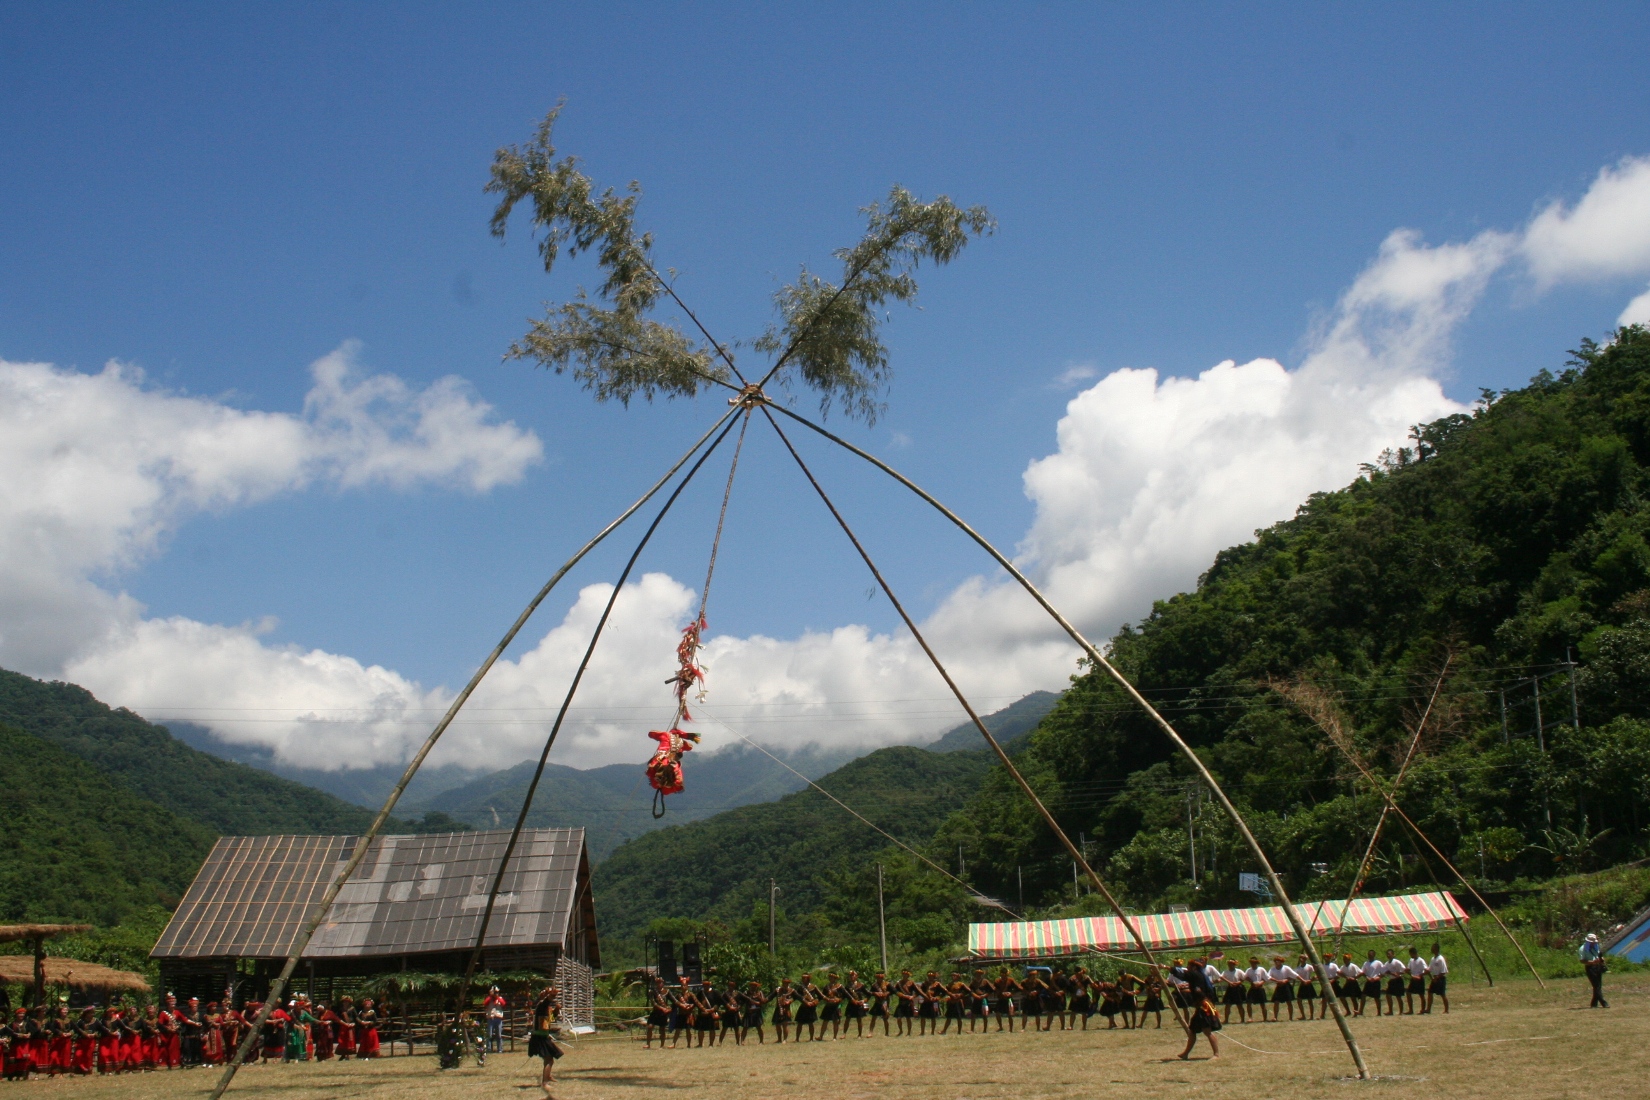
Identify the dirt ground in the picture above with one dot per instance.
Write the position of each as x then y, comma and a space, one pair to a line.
1513, 1041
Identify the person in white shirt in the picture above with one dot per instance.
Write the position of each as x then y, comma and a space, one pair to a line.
1331, 977
1233, 994
1438, 969
1283, 978
1417, 967
1352, 984
1395, 972
1307, 994
1374, 970
1256, 997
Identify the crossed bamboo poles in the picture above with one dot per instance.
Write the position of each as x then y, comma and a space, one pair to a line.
748, 398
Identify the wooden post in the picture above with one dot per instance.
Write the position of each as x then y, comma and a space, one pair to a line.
39, 971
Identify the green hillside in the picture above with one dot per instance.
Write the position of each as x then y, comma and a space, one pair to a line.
78, 846
1500, 541
148, 761
719, 867
1008, 725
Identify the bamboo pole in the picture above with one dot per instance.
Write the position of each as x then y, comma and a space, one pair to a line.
1315, 709
365, 841
1098, 660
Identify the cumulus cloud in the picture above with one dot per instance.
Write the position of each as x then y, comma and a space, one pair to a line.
1150, 476
100, 468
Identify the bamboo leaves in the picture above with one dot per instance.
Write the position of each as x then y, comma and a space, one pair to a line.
830, 332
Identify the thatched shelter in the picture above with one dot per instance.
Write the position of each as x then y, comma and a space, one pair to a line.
72, 974
38, 934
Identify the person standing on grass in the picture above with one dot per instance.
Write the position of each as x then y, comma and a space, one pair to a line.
857, 1005
808, 997
541, 1044
754, 1001
782, 998
1282, 976
1007, 989
1396, 971
1374, 970
1592, 961
1307, 993
1352, 991
1233, 994
830, 1011
1417, 967
1199, 996
494, 1006
881, 993
1438, 974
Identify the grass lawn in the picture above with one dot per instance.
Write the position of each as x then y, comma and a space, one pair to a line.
1512, 1041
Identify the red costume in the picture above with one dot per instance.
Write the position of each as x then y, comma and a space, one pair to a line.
322, 1035
85, 1043
110, 1056
169, 1044
366, 1031
664, 770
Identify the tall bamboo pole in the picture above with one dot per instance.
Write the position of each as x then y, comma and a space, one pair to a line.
319, 913
1098, 660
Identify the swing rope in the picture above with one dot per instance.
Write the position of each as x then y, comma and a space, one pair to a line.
567, 702
688, 671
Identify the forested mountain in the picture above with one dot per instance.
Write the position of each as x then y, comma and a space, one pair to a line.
149, 762
1007, 725
80, 847
1478, 558
719, 867
1454, 579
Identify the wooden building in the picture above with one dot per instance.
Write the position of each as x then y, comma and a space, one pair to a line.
414, 904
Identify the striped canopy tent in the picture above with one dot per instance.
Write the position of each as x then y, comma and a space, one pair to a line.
1264, 924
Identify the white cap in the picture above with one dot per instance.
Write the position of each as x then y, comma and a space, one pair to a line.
1592, 937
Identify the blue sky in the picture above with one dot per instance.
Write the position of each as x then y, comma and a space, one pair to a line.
222, 195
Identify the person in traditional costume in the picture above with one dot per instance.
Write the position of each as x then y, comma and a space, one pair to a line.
171, 1040
366, 1030
131, 1040
321, 1033
1438, 987
190, 1024
1396, 972
807, 1008
274, 1036
149, 1037
905, 1003
706, 1018
752, 1002
109, 1054
212, 1049
933, 1000
14, 1036
782, 998
541, 1043
1306, 993
1374, 969
1129, 986
1006, 989
682, 1007
297, 1033
1154, 1000
881, 993
733, 1015
60, 1040
85, 1042
1200, 997
1031, 1000
830, 1009
857, 1004
345, 1030
658, 1014
956, 1003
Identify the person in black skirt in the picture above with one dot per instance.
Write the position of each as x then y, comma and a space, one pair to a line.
1006, 990
1111, 1003
783, 999
807, 1008
956, 1003
658, 1014
733, 1015
933, 999
906, 996
1200, 996
681, 1012
1056, 999
1234, 992
1031, 1001
881, 994
752, 1001
1307, 993
541, 1043
1082, 996
979, 1001
1129, 986
855, 1004
1154, 1000
1396, 973
830, 1006
707, 1013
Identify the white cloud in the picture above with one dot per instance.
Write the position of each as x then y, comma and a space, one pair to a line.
1151, 476
1637, 311
1606, 234
100, 468
1073, 376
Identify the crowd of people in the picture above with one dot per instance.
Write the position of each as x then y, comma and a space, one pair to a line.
1209, 990
117, 1039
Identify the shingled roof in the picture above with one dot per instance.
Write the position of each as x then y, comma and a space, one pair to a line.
410, 895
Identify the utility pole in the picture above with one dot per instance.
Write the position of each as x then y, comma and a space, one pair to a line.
1540, 733
1506, 738
882, 923
1076, 890
773, 892
1575, 704
1191, 836
1020, 878
960, 871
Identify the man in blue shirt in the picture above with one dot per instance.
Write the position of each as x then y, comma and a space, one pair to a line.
1592, 960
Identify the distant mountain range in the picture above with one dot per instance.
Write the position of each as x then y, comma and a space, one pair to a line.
613, 802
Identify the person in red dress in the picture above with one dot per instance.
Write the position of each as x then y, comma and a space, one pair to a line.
345, 1029
148, 1038
131, 1040
322, 1034
85, 1041
60, 1031
366, 1030
40, 1043
168, 1044
109, 1037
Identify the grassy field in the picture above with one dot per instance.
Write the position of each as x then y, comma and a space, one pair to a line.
1509, 1042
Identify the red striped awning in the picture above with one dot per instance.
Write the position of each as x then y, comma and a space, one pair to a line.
1264, 924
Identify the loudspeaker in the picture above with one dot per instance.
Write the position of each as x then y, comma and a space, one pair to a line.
667, 961
690, 962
